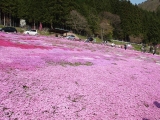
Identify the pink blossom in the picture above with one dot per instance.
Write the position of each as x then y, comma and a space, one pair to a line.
43, 77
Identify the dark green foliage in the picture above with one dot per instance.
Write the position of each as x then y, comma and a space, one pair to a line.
133, 21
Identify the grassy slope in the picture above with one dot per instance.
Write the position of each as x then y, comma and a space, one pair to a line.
150, 5
98, 40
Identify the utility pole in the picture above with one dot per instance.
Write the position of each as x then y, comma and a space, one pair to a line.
4, 20
34, 25
0, 17
102, 31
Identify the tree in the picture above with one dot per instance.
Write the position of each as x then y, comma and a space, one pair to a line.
9, 8
77, 21
153, 32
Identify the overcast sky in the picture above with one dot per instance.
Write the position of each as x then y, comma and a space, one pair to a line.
137, 1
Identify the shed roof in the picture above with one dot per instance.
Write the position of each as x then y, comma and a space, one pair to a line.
59, 30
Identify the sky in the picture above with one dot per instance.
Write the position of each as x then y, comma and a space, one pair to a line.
137, 1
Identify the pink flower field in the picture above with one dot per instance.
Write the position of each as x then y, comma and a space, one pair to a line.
49, 78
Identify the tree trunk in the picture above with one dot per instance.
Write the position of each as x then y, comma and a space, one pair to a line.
34, 25
13, 21
51, 25
102, 30
0, 18
4, 20
10, 20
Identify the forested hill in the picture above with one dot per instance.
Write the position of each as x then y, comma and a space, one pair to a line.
118, 19
150, 5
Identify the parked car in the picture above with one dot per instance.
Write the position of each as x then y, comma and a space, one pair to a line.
112, 45
31, 32
129, 46
70, 37
89, 39
8, 29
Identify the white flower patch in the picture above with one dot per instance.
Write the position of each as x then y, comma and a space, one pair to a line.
97, 57
47, 44
143, 57
158, 62
107, 55
138, 59
22, 42
119, 55
84, 58
5, 60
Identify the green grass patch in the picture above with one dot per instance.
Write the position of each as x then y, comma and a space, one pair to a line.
98, 40
136, 47
1, 26
76, 64
81, 37
43, 32
118, 42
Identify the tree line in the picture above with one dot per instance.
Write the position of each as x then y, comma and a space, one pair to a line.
118, 19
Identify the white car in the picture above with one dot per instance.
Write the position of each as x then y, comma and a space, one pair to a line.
112, 44
31, 32
70, 37
129, 46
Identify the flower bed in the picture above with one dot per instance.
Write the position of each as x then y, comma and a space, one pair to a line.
54, 78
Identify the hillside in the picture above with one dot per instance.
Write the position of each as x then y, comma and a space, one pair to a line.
105, 19
150, 5
49, 78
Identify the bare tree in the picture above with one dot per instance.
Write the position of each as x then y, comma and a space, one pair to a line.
113, 18
109, 23
103, 25
77, 21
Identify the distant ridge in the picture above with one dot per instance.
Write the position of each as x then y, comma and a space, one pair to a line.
150, 5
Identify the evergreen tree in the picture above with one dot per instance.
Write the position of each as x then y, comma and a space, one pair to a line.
133, 20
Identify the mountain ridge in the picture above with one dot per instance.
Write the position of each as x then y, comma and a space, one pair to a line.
150, 5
